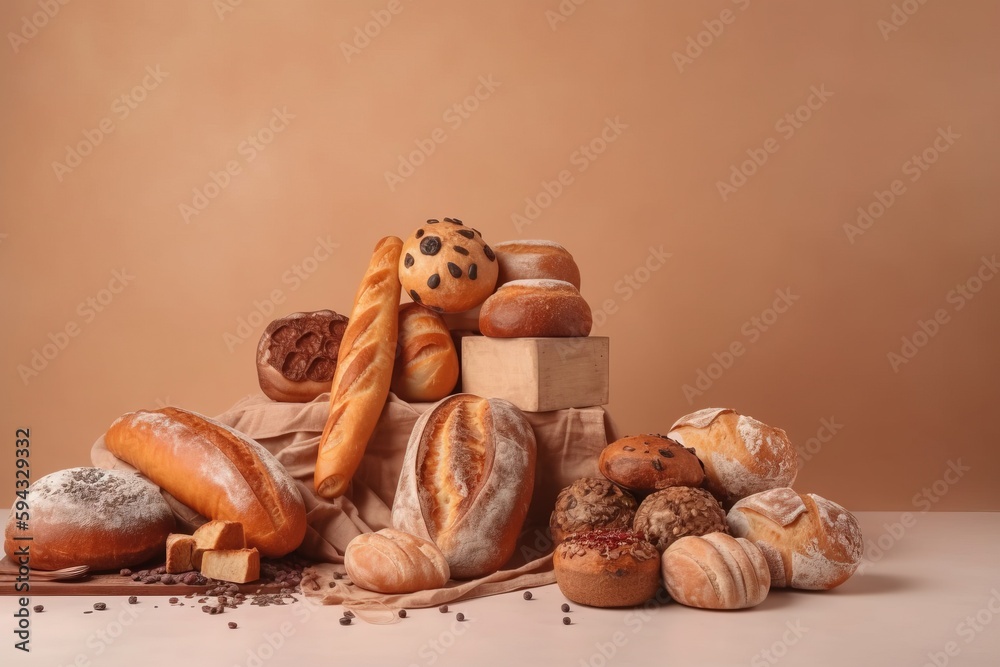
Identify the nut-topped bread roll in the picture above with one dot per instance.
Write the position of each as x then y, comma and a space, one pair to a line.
647, 463
808, 541
297, 355
677, 511
742, 456
535, 308
216, 471
391, 561
105, 519
527, 260
607, 568
716, 571
466, 482
588, 504
364, 371
427, 366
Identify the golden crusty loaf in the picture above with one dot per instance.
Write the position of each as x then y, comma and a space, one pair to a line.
426, 369
716, 571
391, 561
466, 482
808, 541
216, 471
535, 308
526, 260
742, 456
364, 372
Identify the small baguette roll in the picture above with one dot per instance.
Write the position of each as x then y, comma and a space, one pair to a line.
364, 372
391, 561
427, 367
216, 471
742, 456
466, 483
716, 571
809, 542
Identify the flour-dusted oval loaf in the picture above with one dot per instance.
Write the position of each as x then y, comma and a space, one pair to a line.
426, 368
716, 571
527, 260
808, 541
391, 561
535, 308
216, 471
742, 456
466, 482
104, 519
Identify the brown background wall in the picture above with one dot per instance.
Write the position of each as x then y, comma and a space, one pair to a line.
209, 78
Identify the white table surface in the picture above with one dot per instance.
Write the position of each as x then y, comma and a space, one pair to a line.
934, 589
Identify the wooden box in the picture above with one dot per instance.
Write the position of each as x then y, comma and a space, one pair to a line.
537, 374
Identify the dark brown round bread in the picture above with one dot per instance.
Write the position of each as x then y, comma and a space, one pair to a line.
297, 355
647, 463
105, 519
447, 266
527, 260
607, 568
588, 504
668, 515
535, 308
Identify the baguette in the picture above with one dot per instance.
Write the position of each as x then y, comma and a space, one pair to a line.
364, 371
216, 471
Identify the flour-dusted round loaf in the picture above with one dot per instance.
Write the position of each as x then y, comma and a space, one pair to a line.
535, 308
528, 260
105, 519
588, 504
677, 511
716, 571
607, 568
426, 367
647, 463
809, 542
391, 561
447, 266
742, 456
297, 355
466, 482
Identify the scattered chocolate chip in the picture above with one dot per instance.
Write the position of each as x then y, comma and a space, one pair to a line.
628, 448
455, 270
126, 572
345, 620
38, 608
173, 600
564, 607
473, 272
666, 453
348, 613
459, 249
527, 595
489, 253
100, 606
443, 609
408, 260
434, 281
657, 465
566, 620
419, 233
133, 599
459, 617
432, 221
166, 579
430, 245
416, 299
232, 625
467, 233
402, 613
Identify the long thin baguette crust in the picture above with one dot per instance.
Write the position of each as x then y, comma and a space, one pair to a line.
364, 371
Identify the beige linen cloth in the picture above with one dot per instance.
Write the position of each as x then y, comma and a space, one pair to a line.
569, 442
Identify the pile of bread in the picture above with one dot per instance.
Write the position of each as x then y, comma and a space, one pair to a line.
613, 550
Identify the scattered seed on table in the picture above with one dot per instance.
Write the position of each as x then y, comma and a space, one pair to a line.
564, 607
38, 608
443, 609
527, 595
345, 620
459, 617
232, 625
133, 599
566, 620
100, 606
348, 613
402, 613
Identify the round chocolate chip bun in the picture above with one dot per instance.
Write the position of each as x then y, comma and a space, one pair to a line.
447, 266
104, 519
647, 463
297, 355
668, 515
588, 504
607, 568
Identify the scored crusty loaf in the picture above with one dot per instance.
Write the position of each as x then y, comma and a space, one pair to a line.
216, 471
391, 561
716, 571
808, 541
426, 369
466, 483
525, 260
742, 456
535, 308
364, 372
